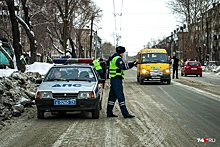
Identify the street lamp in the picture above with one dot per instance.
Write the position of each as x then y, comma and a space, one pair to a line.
97, 44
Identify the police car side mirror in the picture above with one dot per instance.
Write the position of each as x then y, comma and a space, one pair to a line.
38, 81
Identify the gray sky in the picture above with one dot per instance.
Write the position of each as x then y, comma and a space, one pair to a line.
136, 21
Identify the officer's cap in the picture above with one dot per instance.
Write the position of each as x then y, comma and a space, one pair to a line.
120, 49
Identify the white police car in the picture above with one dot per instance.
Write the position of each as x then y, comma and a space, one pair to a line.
70, 87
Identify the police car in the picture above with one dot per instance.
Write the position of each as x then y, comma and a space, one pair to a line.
72, 86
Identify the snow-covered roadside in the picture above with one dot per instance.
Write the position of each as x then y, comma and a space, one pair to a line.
216, 70
17, 94
39, 67
213, 69
18, 89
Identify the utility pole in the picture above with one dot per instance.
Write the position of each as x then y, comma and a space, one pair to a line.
183, 50
65, 27
207, 39
91, 29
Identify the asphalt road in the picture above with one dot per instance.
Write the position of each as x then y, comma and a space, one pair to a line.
166, 115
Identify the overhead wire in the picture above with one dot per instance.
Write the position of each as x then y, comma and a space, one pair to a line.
116, 35
121, 19
115, 22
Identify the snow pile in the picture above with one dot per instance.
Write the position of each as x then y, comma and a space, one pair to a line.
17, 90
17, 93
39, 67
42, 68
213, 68
216, 69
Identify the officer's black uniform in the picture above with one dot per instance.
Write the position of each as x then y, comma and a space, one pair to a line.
116, 89
104, 67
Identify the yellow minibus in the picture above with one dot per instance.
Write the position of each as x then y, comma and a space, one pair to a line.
153, 65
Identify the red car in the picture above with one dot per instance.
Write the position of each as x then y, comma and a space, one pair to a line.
192, 68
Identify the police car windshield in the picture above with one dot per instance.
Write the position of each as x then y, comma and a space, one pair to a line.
70, 74
154, 58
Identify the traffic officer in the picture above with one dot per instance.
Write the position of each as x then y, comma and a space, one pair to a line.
98, 67
116, 71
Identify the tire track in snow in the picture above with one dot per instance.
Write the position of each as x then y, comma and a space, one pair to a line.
152, 133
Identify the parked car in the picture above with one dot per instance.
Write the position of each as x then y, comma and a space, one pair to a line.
191, 68
72, 86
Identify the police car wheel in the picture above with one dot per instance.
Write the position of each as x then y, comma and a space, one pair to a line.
40, 114
95, 113
100, 103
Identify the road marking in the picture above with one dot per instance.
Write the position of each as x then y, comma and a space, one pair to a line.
62, 137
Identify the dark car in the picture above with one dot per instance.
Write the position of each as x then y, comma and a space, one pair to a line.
191, 68
68, 88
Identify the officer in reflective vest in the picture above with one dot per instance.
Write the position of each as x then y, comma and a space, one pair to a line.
116, 71
98, 67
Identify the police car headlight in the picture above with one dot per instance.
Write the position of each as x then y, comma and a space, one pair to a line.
85, 95
44, 94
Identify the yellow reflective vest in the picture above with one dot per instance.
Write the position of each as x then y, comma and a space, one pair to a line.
97, 65
114, 70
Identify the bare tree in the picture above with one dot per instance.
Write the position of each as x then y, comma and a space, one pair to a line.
54, 22
83, 16
107, 49
15, 34
26, 23
42, 15
70, 17
190, 12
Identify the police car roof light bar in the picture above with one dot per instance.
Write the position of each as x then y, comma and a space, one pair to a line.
72, 60
85, 60
59, 60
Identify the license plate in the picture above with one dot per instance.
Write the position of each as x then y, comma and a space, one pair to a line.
65, 102
155, 73
193, 68
156, 68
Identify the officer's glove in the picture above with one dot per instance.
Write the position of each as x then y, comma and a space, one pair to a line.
134, 63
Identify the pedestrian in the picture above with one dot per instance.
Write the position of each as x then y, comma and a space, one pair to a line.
116, 71
175, 66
